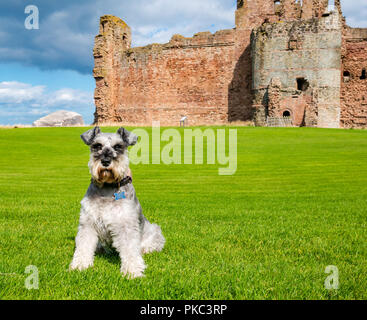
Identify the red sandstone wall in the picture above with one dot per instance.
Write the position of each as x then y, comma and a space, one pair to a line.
354, 89
209, 77
114, 38
186, 77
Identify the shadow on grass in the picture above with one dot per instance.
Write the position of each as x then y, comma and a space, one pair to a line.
111, 255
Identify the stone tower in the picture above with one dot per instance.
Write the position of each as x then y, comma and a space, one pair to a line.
113, 39
247, 17
297, 70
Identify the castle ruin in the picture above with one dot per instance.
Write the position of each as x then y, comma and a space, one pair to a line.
285, 58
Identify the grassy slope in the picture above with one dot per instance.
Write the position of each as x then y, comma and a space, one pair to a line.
296, 205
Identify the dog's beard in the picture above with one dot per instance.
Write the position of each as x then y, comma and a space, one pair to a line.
107, 176
112, 174
101, 174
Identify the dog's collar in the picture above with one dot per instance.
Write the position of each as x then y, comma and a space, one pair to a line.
125, 181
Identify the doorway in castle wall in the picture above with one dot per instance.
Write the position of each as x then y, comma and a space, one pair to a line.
294, 107
287, 114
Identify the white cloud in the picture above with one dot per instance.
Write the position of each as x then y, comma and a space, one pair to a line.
17, 92
21, 93
27, 103
70, 96
67, 29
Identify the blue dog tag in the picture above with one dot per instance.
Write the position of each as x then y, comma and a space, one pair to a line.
120, 196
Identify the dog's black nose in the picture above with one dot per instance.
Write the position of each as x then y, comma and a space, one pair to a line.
106, 163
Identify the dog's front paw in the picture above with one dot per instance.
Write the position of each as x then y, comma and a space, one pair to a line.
133, 275
133, 270
77, 265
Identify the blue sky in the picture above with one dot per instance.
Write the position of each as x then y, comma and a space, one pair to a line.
50, 69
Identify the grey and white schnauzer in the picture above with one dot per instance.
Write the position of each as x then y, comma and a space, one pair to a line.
111, 215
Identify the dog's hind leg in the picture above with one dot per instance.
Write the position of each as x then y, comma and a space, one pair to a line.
152, 238
85, 247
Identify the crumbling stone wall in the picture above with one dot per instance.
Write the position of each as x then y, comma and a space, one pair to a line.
113, 40
248, 16
354, 79
207, 78
290, 102
305, 55
246, 73
185, 77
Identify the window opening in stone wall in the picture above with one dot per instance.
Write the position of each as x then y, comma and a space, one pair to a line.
302, 84
364, 75
277, 4
292, 44
346, 76
330, 8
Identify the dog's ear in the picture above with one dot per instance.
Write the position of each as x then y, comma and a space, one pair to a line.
129, 138
89, 136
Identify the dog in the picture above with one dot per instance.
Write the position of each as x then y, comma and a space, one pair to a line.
111, 216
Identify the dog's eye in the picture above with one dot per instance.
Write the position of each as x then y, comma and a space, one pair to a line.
118, 147
97, 147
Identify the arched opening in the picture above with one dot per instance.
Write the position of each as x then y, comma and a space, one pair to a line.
286, 114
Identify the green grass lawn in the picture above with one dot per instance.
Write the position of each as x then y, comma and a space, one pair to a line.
297, 204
